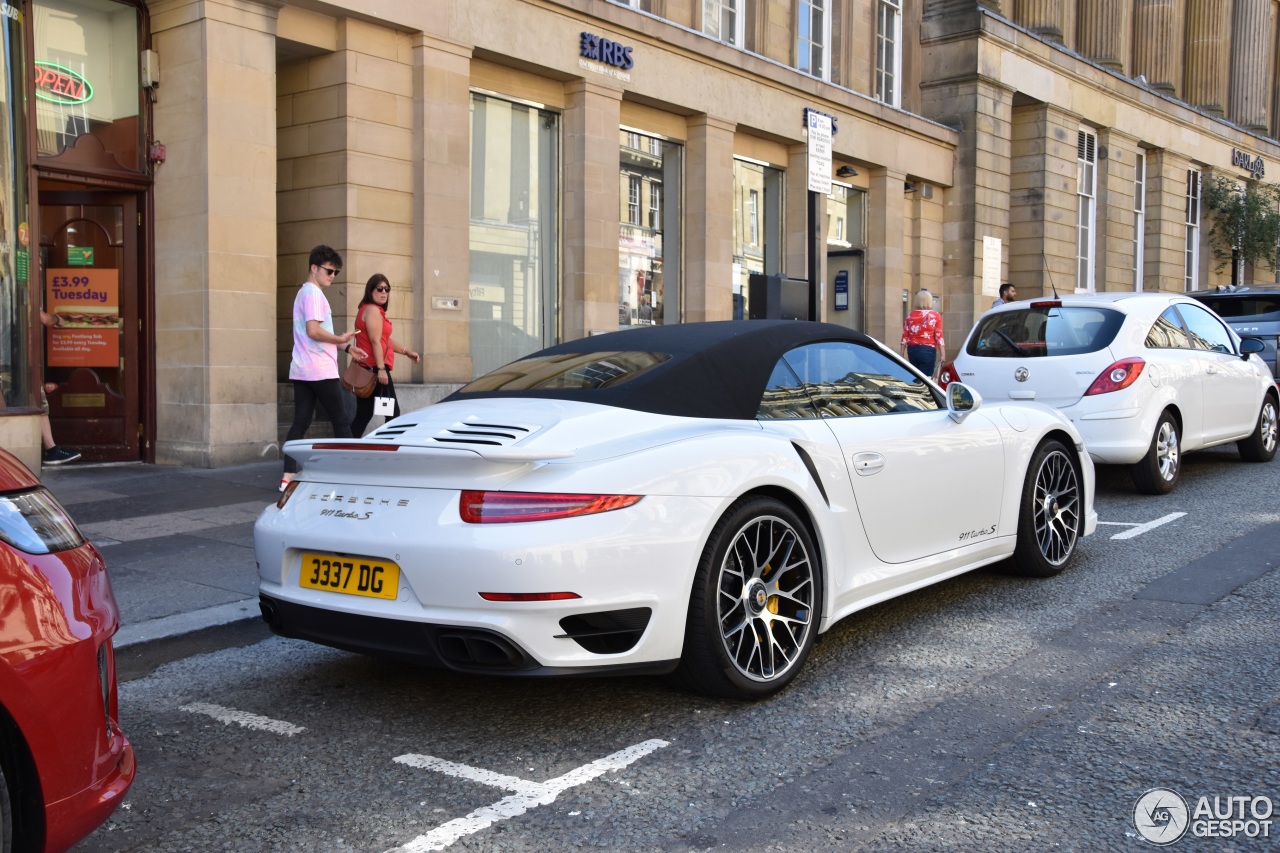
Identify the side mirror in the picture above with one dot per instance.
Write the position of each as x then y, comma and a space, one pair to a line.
1248, 346
962, 401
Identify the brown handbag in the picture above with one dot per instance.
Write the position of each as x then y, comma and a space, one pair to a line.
359, 380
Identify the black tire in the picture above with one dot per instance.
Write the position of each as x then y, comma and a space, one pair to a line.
755, 606
6, 816
1261, 446
1159, 470
1051, 515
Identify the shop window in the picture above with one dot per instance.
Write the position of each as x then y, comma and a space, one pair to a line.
87, 83
17, 314
846, 253
1086, 207
515, 163
649, 230
757, 244
889, 52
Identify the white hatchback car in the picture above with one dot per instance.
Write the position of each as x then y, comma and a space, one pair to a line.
1144, 377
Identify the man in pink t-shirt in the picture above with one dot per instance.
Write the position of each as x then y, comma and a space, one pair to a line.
314, 367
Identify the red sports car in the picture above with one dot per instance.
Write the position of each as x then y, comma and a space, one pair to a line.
64, 762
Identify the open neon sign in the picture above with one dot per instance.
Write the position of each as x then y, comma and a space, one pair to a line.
60, 85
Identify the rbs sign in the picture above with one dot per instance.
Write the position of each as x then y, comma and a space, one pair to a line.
600, 49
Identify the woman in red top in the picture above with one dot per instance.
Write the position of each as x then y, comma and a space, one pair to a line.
373, 335
922, 341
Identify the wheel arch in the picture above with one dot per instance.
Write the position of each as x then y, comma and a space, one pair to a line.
26, 798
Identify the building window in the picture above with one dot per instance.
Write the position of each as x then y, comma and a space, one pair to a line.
757, 227
515, 163
889, 52
813, 35
649, 285
86, 63
18, 320
1193, 230
633, 199
1139, 219
722, 20
1086, 200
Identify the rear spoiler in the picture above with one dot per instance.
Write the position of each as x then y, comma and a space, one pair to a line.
360, 446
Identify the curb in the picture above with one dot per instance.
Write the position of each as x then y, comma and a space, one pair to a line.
178, 624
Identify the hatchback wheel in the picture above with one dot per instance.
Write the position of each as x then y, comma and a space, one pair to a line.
1158, 471
1261, 446
753, 614
1049, 518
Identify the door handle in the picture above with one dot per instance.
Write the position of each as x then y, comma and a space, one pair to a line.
867, 463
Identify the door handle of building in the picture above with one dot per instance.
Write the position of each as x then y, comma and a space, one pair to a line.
866, 464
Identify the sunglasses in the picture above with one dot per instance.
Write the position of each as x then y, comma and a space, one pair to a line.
329, 270
382, 289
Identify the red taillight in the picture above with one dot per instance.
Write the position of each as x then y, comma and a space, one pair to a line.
948, 374
504, 507
1046, 303
529, 596
1116, 377
287, 493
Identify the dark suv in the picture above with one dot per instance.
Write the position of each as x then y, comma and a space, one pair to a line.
1253, 311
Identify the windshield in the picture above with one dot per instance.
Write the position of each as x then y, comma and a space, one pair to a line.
1230, 307
577, 371
1044, 329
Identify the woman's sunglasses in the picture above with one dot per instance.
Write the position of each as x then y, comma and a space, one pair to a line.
382, 289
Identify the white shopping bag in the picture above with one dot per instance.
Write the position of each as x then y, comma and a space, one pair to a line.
384, 406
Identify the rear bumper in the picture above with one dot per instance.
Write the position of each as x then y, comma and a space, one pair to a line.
467, 649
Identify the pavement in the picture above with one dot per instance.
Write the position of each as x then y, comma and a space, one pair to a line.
178, 542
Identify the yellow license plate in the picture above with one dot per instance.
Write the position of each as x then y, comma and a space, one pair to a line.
350, 575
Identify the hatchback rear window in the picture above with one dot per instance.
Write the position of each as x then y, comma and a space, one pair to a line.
1229, 307
1045, 329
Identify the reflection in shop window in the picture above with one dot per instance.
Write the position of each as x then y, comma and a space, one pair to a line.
86, 72
17, 316
757, 246
514, 187
649, 231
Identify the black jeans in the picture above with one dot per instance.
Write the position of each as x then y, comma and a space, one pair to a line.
326, 392
364, 408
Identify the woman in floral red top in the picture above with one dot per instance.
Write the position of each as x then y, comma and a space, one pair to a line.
922, 341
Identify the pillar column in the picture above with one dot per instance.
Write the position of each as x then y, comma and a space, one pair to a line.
441, 219
1106, 33
1166, 222
1054, 20
1042, 201
708, 269
593, 113
1117, 160
215, 247
885, 277
1208, 55
1158, 50
1253, 60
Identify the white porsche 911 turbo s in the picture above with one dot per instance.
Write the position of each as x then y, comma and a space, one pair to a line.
698, 500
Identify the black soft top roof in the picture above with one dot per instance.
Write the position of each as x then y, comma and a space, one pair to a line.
715, 370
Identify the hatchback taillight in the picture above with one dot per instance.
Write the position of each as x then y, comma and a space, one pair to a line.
1118, 376
505, 507
948, 374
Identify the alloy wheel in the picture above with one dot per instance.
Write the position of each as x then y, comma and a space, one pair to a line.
1167, 450
1057, 508
764, 598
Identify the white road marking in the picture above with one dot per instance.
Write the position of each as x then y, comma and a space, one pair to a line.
1139, 529
244, 718
527, 794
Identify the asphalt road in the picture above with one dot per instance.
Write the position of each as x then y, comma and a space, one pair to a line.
986, 713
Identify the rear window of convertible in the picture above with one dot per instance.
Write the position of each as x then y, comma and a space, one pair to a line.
581, 371
1044, 330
